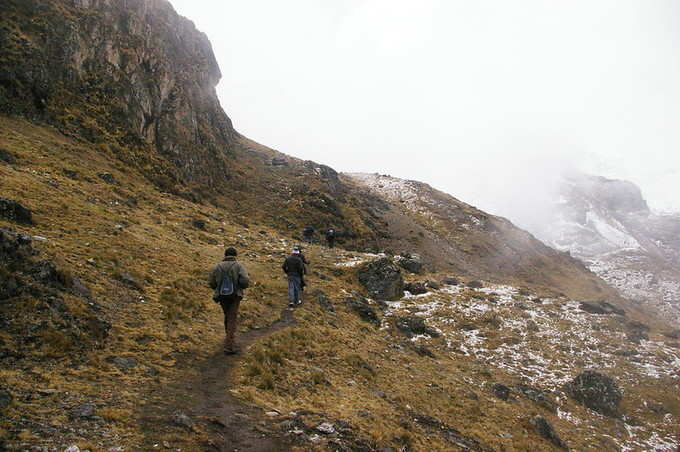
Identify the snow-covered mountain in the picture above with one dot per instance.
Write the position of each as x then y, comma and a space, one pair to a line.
608, 224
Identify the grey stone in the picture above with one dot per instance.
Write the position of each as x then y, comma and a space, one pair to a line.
546, 430
413, 326
84, 411
13, 211
596, 391
382, 278
500, 391
363, 309
182, 420
5, 399
122, 363
326, 428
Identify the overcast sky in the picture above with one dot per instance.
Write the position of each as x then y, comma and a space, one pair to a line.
487, 99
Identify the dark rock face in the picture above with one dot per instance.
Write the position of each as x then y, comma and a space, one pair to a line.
152, 69
601, 307
475, 284
546, 430
13, 211
596, 391
324, 301
413, 326
108, 178
363, 309
382, 279
6, 157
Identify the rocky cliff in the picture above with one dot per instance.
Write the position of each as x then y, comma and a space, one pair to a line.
131, 75
608, 225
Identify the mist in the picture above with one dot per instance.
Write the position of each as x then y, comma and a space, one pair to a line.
489, 101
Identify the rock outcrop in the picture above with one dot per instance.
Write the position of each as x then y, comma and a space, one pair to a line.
596, 391
132, 72
382, 279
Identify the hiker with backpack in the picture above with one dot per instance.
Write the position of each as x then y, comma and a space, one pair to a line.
228, 279
294, 268
330, 237
308, 234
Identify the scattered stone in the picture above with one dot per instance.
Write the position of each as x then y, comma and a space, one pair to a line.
272, 413
450, 281
6, 157
13, 211
324, 301
279, 161
182, 420
434, 285
411, 263
84, 411
70, 174
315, 438
382, 278
596, 391
537, 396
122, 363
198, 224
422, 350
415, 288
5, 399
475, 284
414, 326
129, 281
546, 430
326, 428
72, 448
107, 177
363, 309
601, 308
500, 391
38, 238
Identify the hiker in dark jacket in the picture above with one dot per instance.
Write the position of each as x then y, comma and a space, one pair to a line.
295, 269
308, 234
330, 237
304, 260
230, 303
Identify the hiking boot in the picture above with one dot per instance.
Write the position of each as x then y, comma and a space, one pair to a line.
291, 304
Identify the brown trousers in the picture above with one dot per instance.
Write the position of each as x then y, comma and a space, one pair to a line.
230, 309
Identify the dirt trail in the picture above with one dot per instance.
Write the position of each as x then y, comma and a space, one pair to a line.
206, 399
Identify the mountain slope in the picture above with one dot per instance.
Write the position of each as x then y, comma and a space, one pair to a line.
608, 225
109, 339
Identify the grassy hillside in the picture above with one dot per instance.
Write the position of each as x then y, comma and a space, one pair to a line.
127, 325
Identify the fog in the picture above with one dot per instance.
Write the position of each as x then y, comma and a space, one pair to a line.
486, 100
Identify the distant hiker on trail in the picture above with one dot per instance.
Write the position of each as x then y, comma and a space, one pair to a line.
330, 237
229, 278
308, 234
294, 267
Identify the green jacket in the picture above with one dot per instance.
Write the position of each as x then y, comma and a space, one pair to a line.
237, 273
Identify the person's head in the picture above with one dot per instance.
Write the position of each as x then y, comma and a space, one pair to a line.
296, 250
231, 251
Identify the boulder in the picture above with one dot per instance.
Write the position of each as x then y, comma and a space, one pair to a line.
475, 284
596, 391
323, 301
279, 161
411, 263
382, 278
13, 211
415, 288
450, 281
414, 326
363, 309
107, 177
537, 396
84, 411
6, 157
601, 308
546, 430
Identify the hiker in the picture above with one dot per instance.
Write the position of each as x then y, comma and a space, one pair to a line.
330, 237
294, 267
229, 278
308, 234
304, 260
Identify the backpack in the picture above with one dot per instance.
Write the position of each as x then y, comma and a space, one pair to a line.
227, 288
